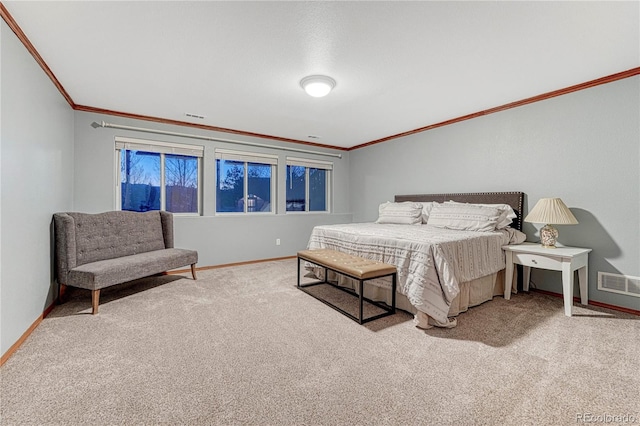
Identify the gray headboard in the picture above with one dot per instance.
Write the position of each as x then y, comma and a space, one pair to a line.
514, 199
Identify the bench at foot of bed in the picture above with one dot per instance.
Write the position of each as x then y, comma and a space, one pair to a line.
355, 267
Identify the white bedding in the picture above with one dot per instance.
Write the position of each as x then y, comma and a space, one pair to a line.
431, 261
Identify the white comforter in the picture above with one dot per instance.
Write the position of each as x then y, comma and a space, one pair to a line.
431, 261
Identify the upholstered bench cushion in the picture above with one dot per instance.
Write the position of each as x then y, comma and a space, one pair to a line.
104, 273
355, 266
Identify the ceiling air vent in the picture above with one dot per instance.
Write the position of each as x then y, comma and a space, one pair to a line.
621, 284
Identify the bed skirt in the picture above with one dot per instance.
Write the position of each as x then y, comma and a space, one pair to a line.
472, 293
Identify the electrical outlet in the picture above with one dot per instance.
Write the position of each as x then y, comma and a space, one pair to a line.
277, 241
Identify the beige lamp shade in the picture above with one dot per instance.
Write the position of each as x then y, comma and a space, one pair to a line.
550, 211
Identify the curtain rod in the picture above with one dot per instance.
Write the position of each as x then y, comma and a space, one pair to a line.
209, 138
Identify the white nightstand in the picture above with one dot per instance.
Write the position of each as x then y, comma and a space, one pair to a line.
565, 259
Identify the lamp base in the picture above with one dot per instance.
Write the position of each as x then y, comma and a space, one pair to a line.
548, 236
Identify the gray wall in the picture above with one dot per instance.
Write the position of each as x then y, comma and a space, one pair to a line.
219, 239
583, 147
36, 181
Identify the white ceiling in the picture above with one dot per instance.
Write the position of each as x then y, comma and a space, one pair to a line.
398, 65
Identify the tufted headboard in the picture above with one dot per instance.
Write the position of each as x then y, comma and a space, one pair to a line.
514, 199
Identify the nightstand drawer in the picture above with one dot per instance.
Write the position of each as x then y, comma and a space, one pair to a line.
537, 261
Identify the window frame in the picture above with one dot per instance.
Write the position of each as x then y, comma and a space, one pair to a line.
163, 148
248, 158
307, 163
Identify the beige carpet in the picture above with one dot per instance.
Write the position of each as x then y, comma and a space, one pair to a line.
243, 346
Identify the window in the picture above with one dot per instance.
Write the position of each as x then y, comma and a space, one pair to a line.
158, 176
245, 182
308, 185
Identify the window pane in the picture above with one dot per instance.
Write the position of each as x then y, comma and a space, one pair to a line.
229, 186
295, 188
140, 185
317, 190
181, 183
259, 189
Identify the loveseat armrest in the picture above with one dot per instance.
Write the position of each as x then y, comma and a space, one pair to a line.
167, 228
65, 247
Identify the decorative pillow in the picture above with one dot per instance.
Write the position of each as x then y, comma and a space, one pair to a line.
407, 213
506, 213
426, 209
464, 217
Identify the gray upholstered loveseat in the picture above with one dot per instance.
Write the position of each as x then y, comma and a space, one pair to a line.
94, 251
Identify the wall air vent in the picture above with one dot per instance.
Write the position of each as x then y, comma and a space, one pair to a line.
621, 284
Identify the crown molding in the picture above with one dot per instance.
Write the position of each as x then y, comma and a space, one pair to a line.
95, 110
31, 49
25, 41
36, 55
586, 85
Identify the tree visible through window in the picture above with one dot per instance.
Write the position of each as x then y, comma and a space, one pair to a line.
155, 180
140, 187
230, 186
181, 183
244, 182
307, 186
317, 190
296, 188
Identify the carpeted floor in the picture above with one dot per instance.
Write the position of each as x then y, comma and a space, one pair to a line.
241, 345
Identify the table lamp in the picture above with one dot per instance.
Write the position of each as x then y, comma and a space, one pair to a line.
551, 211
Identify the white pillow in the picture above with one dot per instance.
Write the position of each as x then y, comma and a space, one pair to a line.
464, 217
407, 213
506, 213
426, 209
506, 216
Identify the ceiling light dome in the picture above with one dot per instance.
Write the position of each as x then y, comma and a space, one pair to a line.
317, 85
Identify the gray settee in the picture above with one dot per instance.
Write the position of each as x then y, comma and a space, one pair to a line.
94, 251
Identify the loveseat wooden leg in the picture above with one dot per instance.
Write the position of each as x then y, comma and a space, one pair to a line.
193, 271
95, 299
62, 289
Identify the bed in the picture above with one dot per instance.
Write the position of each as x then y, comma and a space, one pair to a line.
448, 259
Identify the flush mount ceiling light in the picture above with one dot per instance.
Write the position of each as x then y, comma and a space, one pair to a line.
317, 85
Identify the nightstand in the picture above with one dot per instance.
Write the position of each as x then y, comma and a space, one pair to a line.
565, 259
